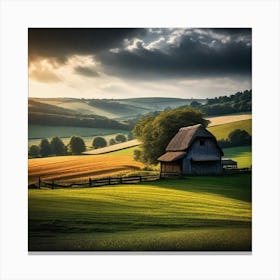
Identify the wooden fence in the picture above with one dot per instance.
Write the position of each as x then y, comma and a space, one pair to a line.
95, 182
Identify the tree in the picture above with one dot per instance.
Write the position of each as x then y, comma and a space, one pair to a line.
155, 132
57, 146
77, 145
112, 142
240, 137
195, 104
99, 142
129, 135
137, 155
45, 148
34, 151
120, 138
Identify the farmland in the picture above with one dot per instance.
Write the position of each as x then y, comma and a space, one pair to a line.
75, 168
222, 131
183, 214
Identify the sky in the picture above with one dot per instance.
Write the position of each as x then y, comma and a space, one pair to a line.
138, 62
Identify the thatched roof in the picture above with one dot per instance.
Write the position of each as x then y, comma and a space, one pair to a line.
171, 156
186, 136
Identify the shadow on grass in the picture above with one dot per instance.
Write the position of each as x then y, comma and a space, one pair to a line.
236, 186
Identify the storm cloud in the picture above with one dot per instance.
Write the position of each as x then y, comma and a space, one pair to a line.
125, 57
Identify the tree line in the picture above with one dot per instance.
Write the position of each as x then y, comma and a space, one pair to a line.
75, 146
235, 103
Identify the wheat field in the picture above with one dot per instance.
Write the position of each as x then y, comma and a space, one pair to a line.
78, 168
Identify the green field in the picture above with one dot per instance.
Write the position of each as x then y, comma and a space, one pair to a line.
222, 131
194, 213
243, 155
38, 132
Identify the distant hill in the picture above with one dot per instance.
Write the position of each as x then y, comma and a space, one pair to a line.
118, 109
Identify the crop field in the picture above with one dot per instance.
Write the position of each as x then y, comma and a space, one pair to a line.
79, 168
184, 214
228, 119
222, 131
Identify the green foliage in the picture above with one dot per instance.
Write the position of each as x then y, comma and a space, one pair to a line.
137, 155
155, 132
77, 145
112, 142
99, 142
240, 137
120, 138
238, 102
57, 147
34, 151
45, 148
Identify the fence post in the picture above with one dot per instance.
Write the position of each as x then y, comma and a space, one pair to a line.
39, 182
52, 183
89, 182
109, 180
120, 180
140, 179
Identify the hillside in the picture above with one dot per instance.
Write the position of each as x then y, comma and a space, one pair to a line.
109, 108
189, 214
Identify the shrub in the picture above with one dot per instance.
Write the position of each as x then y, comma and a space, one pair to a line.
34, 151
240, 137
77, 145
99, 142
112, 142
120, 138
45, 148
57, 147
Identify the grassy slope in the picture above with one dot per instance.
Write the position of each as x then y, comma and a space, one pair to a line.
187, 214
222, 131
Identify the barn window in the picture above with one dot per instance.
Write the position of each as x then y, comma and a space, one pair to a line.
202, 142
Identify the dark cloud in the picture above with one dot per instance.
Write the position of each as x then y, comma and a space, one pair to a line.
86, 71
59, 43
150, 53
195, 55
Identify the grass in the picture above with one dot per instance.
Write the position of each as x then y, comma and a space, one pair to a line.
222, 131
243, 155
194, 213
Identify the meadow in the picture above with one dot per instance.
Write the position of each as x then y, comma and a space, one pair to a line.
189, 214
222, 131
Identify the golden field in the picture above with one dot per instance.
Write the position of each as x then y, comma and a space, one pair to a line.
76, 168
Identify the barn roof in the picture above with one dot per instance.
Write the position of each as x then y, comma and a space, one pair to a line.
228, 161
171, 156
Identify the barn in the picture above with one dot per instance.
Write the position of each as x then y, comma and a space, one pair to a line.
194, 151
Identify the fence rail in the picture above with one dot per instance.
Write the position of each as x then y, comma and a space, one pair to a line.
96, 182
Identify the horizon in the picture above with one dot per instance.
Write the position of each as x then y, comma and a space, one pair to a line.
121, 63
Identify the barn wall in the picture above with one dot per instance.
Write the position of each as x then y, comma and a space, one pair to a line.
171, 167
209, 149
203, 168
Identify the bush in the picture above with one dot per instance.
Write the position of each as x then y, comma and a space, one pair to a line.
137, 155
45, 148
77, 145
240, 137
120, 138
99, 142
57, 147
34, 151
112, 142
